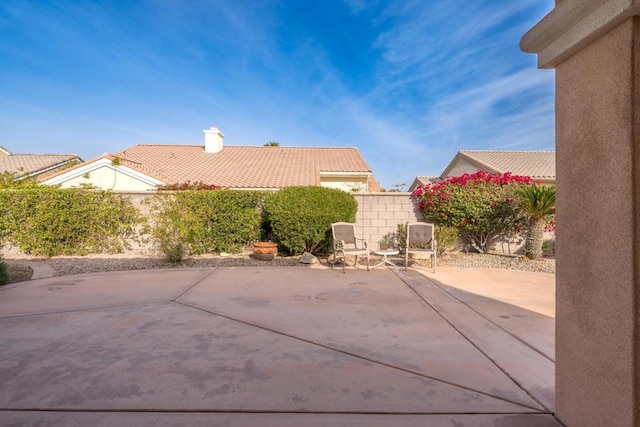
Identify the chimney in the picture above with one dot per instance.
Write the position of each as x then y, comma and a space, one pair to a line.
213, 140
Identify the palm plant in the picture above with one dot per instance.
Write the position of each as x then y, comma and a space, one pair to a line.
537, 202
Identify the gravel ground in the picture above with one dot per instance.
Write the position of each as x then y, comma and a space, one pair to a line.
18, 273
459, 259
64, 266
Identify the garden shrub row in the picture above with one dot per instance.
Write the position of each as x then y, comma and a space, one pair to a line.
49, 221
195, 218
197, 222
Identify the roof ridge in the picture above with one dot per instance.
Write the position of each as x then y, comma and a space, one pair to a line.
161, 145
42, 154
240, 146
507, 151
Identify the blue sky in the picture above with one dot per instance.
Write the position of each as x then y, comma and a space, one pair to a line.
407, 82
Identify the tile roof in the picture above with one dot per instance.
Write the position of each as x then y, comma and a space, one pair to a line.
536, 164
33, 163
245, 166
423, 180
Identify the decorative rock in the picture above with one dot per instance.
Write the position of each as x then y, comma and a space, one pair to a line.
308, 258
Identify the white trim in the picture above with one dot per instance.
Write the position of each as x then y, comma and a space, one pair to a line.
90, 167
338, 174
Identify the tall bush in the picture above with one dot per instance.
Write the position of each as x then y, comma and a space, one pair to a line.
4, 272
53, 221
483, 206
196, 222
301, 217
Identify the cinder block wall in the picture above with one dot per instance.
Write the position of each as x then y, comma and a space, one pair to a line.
380, 213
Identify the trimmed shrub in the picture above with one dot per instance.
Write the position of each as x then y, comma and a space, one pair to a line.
204, 221
51, 221
4, 273
300, 217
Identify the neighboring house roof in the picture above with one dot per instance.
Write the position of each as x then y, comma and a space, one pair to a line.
539, 165
423, 180
115, 167
242, 167
4, 151
35, 164
247, 166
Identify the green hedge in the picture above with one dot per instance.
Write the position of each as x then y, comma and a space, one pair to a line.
49, 221
52, 221
300, 217
4, 272
196, 222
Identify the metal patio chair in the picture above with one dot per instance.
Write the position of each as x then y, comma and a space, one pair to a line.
420, 240
345, 241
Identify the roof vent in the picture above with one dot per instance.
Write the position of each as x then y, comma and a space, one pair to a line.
213, 140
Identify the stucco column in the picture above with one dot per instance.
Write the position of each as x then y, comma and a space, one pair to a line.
594, 46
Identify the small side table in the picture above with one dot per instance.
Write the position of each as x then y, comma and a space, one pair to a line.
384, 254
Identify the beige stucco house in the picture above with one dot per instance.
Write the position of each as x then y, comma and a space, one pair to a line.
146, 166
539, 165
37, 166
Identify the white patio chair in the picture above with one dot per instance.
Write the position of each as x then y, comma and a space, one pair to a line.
345, 241
420, 240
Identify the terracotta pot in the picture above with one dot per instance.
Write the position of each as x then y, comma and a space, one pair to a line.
384, 246
265, 251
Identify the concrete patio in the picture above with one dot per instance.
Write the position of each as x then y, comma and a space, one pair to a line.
279, 347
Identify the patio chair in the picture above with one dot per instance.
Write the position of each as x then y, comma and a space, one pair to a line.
345, 241
420, 240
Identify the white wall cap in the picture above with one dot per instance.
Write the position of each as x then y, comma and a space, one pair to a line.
574, 24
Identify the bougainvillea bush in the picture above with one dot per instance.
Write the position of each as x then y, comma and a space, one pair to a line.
483, 206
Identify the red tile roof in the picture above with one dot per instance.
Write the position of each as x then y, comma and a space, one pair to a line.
27, 164
245, 166
536, 164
